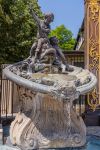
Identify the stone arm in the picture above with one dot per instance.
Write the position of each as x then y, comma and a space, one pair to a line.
35, 17
39, 22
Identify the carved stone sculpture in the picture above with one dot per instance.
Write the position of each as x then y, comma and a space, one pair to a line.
47, 118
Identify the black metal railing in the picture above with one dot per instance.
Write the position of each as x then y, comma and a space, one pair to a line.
75, 58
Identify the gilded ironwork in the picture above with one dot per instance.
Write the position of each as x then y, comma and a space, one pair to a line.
93, 55
91, 1
93, 99
93, 46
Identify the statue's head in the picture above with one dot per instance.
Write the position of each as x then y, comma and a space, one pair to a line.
53, 40
49, 17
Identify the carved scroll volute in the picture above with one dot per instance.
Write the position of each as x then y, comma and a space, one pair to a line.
92, 39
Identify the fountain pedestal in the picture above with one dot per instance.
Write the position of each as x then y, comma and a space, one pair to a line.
48, 87
49, 123
47, 118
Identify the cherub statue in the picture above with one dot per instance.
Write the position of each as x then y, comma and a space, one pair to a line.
43, 55
44, 46
43, 31
60, 58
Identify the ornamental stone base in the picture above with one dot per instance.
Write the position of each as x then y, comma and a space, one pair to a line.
49, 123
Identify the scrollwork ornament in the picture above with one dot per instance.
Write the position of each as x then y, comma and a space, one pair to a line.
93, 8
91, 1
94, 57
25, 99
94, 66
93, 53
94, 11
93, 99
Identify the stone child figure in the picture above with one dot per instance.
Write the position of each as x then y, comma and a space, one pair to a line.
59, 55
43, 31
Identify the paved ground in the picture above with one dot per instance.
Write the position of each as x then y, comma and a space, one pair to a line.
93, 130
4, 147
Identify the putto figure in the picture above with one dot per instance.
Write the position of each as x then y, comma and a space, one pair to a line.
44, 47
43, 31
60, 58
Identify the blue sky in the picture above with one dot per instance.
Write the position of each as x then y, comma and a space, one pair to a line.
67, 12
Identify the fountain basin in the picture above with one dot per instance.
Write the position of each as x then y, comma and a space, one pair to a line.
47, 118
78, 74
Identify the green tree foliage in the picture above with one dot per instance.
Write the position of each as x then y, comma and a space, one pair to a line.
65, 37
17, 29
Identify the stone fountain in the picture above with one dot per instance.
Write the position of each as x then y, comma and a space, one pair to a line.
47, 87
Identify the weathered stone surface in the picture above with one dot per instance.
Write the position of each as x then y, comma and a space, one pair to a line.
47, 118
51, 124
5, 147
47, 88
93, 130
